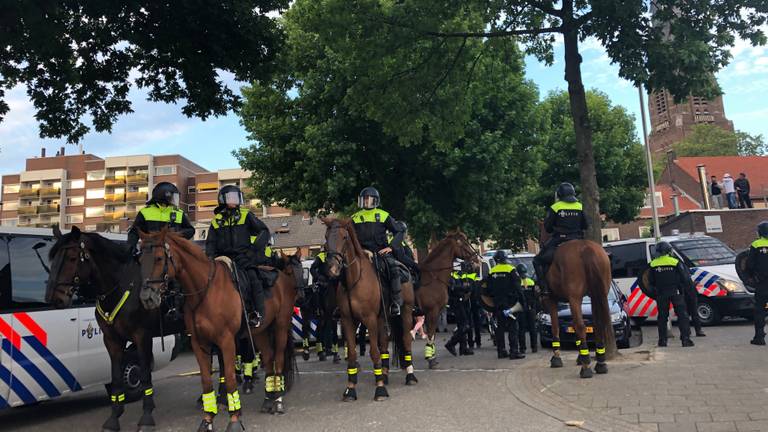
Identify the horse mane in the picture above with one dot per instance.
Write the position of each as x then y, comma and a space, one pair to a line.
105, 247
186, 245
434, 253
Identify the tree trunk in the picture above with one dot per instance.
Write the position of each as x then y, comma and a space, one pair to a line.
585, 155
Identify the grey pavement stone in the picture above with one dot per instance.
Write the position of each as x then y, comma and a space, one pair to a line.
657, 418
671, 409
730, 416
716, 427
642, 409
749, 426
760, 415
650, 427
629, 418
693, 418
678, 427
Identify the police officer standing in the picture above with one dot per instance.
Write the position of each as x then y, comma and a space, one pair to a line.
504, 287
757, 267
459, 296
527, 318
671, 280
692, 305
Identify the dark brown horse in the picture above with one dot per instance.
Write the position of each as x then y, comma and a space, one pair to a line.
93, 267
359, 297
581, 268
213, 312
435, 279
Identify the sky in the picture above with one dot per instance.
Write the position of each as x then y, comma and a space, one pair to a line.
159, 128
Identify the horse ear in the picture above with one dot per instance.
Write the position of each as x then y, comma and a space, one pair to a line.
298, 254
56, 232
75, 231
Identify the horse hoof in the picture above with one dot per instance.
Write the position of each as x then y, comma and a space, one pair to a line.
111, 425
585, 372
321, 357
433, 363
205, 426
555, 362
601, 368
235, 426
146, 428
381, 394
410, 379
266, 406
278, 408
349, 395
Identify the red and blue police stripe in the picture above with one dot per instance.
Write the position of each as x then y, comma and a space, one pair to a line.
12, 344
641, 305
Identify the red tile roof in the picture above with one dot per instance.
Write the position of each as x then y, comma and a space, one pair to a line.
755, 167
668, 208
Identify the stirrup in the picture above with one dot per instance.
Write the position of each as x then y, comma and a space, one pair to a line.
254, 319
394, 309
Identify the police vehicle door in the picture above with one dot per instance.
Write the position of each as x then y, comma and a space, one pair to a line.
44, 355
6, 323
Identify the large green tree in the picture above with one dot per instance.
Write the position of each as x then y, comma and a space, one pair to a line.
315, 149
712, 140
678, 48
78, 59
619, 160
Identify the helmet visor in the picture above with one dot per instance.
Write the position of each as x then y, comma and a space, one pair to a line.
233, 198
367, 202
175, 199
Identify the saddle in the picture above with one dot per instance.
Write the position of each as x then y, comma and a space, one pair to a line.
267, 275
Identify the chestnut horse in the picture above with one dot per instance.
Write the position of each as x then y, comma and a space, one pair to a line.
360, 300
213, 312
580, 268
435, 279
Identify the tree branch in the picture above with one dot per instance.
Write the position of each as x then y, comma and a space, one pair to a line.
546, 9
505, 33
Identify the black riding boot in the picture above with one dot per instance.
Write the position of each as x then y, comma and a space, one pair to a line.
397, 298
541, 275
257, 298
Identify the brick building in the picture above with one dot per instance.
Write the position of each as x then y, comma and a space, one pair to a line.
736, 228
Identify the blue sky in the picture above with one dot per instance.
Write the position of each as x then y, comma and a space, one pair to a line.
161, 129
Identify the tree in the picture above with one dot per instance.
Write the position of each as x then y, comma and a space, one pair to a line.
313, 150
78, 58
620, 166
687, 40
711, 140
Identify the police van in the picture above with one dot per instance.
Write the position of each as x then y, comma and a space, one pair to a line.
48, 352
711, 263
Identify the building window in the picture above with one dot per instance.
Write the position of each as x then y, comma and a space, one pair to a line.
191, 208
191, 189
9, 222
74, 218
610, 234
659, 201
11, 188
644, 231
660, 101
90, 228
10, 206
165, 170
94, 193
94, 175
76, 184
76, 201
91, 212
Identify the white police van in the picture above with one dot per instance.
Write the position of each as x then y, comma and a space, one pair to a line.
47, 352
711, 263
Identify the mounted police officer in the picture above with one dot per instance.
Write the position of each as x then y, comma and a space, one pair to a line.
757, 267
404, 253
504, 287
527, 318
237, 233
462, 285
565, 220
671, 280
161, 211
371, 226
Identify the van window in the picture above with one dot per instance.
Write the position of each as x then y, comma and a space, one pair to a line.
705, 251
5, 277
29, 269
627, 261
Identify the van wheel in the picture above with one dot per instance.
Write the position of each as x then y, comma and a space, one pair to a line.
708, 314
132, 377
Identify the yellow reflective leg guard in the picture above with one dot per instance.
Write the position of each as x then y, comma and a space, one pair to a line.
248, 369
346, 352
238, 363
378, 374
149, 392
584, 352
305, 343
233, 401
556, 344
117, 398
319, 347
352, 375
257, 361
408, 358
385, 360
279, 383
429, 351
222, 379
209, 403
269, 384
600, 351
335, 348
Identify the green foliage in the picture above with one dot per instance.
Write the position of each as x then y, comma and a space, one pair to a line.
711, 140
621, 173
76, 57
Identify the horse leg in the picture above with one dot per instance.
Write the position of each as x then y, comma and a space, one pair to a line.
410, 377
372, 323
383, 341
349, 330
556, 361
600, 367
249, 359
306, 330
227, 352
221, 397
430, 353
581, 339
144, 349
320, 341
268, 361
115, 346
281, 339
210, 407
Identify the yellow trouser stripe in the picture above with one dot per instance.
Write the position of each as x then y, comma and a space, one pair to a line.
209, 403
248, 369
257, 361
584, 351
555, 344
408, 358
600, 350
377, 372
352, 371
233, 401
149, 392
319, 347
222, 379
121, 397
305, 343
384, 356
269, 384
335, 348
578, 342
113, 398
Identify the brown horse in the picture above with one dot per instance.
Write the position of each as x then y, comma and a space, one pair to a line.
581, 268
213, 312
359, 298
435, 279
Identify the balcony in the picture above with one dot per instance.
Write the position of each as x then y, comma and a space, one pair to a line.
28, 193
114, 181
138, 178
114, 197
50, 192
207, 203
48, 209
208, 187
136, 197
114, 216
131, 214
26, 210
28, 223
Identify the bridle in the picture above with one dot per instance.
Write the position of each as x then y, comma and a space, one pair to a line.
83, 256
167, 258
339, 257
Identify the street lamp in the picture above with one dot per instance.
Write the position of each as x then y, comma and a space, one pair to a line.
649, 166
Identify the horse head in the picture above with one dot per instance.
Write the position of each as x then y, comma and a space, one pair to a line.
339, 242
72, 267
292, 267
462, 248
157, 267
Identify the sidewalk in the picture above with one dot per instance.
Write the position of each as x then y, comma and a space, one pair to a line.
719, 385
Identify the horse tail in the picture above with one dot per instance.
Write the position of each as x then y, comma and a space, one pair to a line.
598, 282
398, 346
290, 367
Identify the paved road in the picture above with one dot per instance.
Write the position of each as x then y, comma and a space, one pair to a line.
715, 386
